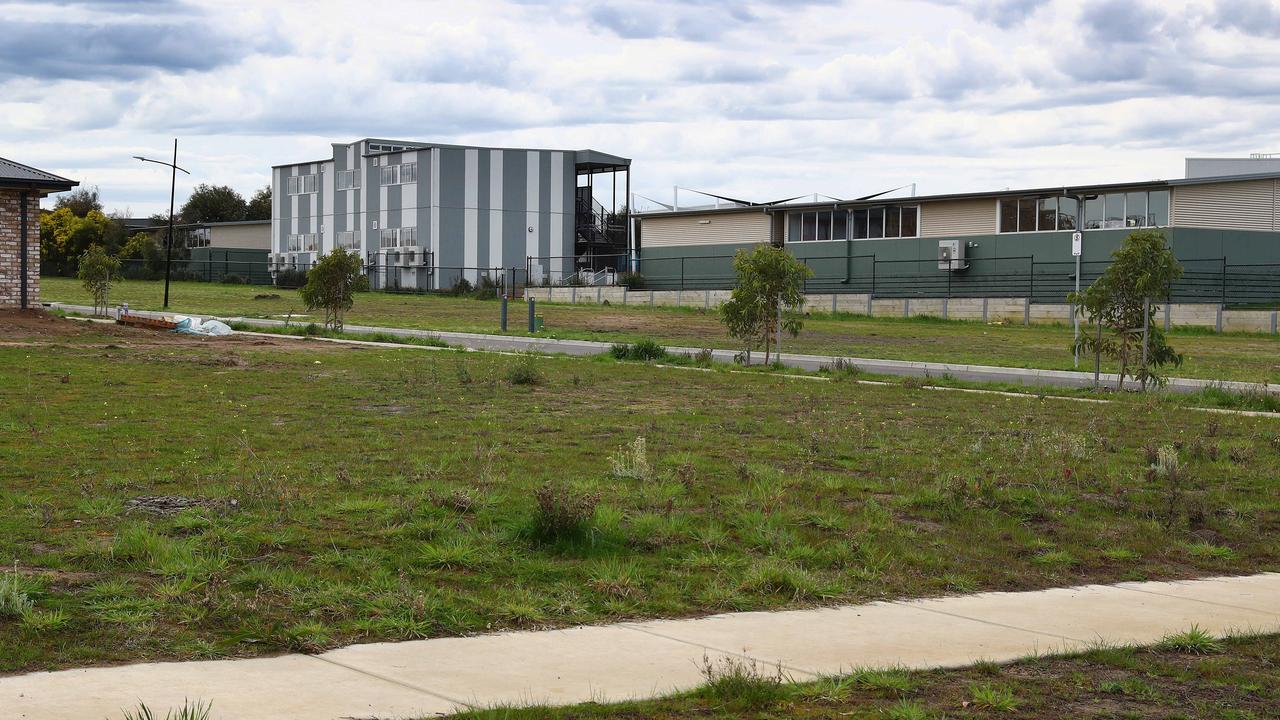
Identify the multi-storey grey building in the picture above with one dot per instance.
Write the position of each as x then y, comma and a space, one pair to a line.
424, 215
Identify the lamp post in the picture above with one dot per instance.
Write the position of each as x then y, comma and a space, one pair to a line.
173, 182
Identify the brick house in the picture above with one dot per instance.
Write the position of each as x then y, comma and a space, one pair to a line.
21, 188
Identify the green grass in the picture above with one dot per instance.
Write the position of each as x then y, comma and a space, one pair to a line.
1231, 356
1238, 682
342, 494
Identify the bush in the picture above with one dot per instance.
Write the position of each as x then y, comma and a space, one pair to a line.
291, 278
642, 351
562, 513
461, 287
631, 280
234, 279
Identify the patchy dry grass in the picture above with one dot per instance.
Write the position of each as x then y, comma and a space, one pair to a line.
166, 497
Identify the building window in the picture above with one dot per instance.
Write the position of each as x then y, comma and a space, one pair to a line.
861, 224
376, 147
302, 242
348, 179
1037, 214
399, 174
885, 222
347, 240
301, 184
1127, 210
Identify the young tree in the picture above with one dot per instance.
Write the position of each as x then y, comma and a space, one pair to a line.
1122, 301
79, 201
770, 283
97, 270
259, 207
213, 203
331, 284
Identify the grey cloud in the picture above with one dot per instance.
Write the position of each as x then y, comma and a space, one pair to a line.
744, 74
1251, 17
1006, 13
75, 50
1121, 21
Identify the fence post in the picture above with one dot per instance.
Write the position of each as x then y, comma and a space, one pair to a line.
681, 272
873, 279
1275, 321
1224, 285
1026, 311
504, 314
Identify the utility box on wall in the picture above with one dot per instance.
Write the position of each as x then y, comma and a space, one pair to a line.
951, 255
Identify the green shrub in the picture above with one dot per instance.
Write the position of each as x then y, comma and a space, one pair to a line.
631, 280
233, 279
291, 278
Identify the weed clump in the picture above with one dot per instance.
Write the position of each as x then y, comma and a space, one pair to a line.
14, 601
631, 462
741, 684
189, 711
562, 512
1193, 641
643, 351
525, 372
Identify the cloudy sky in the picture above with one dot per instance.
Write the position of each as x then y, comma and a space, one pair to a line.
754, 99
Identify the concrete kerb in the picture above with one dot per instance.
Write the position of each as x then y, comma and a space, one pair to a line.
901, 368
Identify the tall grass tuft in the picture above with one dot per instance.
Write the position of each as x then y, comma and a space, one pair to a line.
741, 684
190, 710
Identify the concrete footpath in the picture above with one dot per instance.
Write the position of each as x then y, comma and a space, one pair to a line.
645, 659
900, 368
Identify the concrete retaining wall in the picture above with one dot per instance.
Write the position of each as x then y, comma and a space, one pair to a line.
1006, 310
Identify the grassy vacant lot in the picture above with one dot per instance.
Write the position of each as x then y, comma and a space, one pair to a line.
1254, 358
167, 497
1234, 679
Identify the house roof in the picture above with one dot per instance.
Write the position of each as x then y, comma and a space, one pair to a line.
24, 177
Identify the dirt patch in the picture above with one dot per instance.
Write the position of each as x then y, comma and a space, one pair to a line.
385, 409
174, 504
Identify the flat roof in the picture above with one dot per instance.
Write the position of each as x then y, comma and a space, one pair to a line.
1057, 189
587, 156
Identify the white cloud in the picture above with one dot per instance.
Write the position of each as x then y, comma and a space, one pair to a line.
758, 99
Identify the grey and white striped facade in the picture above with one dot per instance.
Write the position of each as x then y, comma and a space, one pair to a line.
423, 215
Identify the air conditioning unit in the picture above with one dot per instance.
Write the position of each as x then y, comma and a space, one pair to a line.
392, 258
951, 255
407, 257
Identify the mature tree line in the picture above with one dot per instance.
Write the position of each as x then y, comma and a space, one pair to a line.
78, 221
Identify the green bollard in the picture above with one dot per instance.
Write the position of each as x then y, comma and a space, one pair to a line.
504, 313
531, 329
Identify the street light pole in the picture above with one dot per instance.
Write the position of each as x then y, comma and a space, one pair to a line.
173, 184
